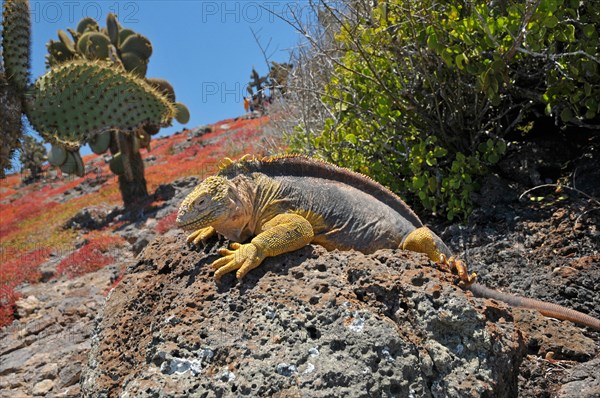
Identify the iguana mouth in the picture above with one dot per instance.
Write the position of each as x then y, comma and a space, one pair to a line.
189, 225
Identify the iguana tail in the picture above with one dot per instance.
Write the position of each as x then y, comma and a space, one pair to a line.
423, 240
545, 308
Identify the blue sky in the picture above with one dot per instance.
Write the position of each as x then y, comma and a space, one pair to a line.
204, 48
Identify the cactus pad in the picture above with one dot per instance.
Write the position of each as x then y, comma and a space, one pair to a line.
135, 64
138, 45
93, 45
16, 42
66, 40
73, 164
124, 34
112, 29
100, 143
182, 114
57, 155
87, 24
77, 100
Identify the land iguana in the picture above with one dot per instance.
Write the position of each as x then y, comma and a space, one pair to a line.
287, 202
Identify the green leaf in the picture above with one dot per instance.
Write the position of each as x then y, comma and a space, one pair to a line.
432, 42
460, 58
501, 147
570, 32
493, 158
589, 30
549, 6
419, 182
591, 104
440, 152
566, 115
551, 21
498, 66
447, 57
432, 184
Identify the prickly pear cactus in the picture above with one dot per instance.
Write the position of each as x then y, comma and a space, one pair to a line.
93, 97
124, 47
95, 92
16, 42
100, 143
14, 76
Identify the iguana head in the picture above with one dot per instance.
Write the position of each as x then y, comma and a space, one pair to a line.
211, 203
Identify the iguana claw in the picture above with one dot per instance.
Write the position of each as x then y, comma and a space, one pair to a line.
460, 267
242, 258
200, 235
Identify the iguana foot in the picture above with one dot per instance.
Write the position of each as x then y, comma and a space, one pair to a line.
460, 267
200, 235
242, 258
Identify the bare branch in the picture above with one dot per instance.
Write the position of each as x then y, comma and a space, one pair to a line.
262, 50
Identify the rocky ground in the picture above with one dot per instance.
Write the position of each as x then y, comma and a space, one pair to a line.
310, 322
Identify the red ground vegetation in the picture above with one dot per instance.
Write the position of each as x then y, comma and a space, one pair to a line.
92, 256
166, 223
15, 272
26, 209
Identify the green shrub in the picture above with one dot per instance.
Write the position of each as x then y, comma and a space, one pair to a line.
425, 93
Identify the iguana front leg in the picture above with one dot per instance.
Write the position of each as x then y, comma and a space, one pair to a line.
283, 233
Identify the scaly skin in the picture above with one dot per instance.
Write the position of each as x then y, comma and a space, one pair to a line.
286, 203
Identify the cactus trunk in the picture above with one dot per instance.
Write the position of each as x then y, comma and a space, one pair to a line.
132, 182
